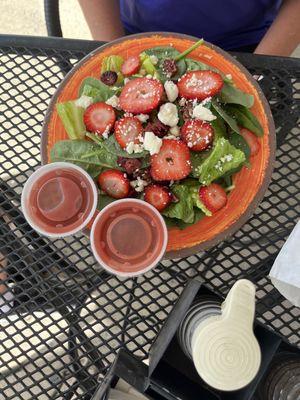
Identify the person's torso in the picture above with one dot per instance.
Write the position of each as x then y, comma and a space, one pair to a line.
227, 23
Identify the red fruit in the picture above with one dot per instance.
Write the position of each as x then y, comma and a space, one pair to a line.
141, 95
199, 84
131, 66
251, 140
197, 134
172, 162
114, 183
99, 118
158, 196
213, 197
127, 130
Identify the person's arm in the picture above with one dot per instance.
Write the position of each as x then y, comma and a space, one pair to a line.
103, 18
283, 36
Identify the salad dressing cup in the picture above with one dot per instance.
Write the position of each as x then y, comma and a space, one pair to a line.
129, 237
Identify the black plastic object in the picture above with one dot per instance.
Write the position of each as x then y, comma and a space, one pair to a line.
52, 18
57, 283
170, 374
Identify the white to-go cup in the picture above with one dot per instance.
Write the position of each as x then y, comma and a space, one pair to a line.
59, 199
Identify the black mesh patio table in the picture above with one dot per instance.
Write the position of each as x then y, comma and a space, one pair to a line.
65, 318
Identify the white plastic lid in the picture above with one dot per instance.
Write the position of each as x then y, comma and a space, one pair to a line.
45, 169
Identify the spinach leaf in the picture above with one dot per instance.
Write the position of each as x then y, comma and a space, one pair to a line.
103, 201
240, 143
113, 147
223, 158
219, 127
94, 88
75, 151
245, 118
226, 117
231, 94
195, 65
163, 53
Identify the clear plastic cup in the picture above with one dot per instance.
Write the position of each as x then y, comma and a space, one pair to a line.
129, 237
59, 199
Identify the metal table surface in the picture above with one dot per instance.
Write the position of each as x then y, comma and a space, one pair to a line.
65, 318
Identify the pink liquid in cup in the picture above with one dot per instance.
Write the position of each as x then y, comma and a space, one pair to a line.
59, 199
129, 237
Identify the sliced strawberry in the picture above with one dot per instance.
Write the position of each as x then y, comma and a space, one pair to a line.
172, 162
199, 84
158, 196
251, 140
141, 95
127, 130
99, 118
197, 134
213, 197
131, 66
115, 183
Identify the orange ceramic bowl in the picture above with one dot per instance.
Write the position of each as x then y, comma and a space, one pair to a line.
250, 184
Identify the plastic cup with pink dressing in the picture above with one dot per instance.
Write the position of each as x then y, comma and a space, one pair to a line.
129, 237
59, 199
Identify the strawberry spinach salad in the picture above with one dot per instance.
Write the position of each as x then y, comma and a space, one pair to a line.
162, 127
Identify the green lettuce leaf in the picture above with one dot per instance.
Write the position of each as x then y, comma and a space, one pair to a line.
223, 158
113, 63
226, 117
72, 118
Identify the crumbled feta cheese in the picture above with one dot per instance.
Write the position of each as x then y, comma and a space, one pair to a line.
168, 114
142, 117
203, 113
152, 143
139, 184
171, 90
84, 101
126, 80
106, 133
182, 102
114, 102
205, 101
153, 59
175, 130
229, 76
134, 148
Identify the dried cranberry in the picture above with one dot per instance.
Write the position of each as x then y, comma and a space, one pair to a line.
109, 77
143, 174
158, 128
169, 67
129, 164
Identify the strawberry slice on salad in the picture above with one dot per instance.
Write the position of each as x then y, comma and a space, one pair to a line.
197, 134
251, 140
199, 84
99, 118
131, 66
172, 162
141, 95
158, 196
127, 130
114, 183
213, 197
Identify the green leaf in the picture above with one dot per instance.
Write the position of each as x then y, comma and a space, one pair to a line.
184, 208
240, 143
96, 89
163, 53
231, 94
197, 159
113, 63
195, 65
219, 127
245, 118
73, 150
223, 158
72, 118
189, 50
103, 201
226, 117
198, 215
112, 146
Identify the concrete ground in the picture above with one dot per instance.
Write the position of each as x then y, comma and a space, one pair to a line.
26, 17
